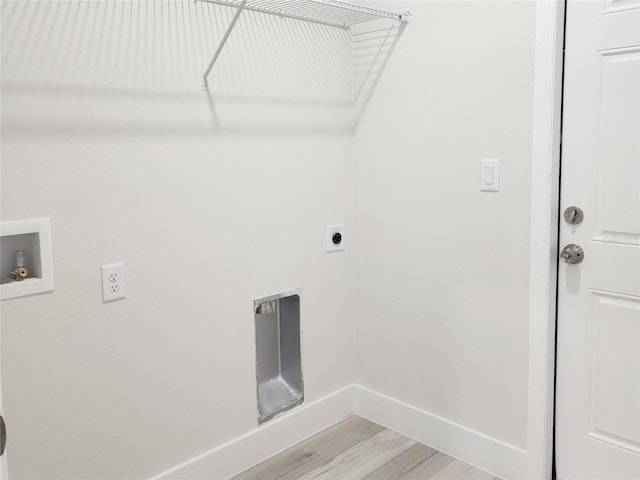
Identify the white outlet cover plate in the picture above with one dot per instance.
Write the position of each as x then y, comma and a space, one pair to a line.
331, 231
113, 286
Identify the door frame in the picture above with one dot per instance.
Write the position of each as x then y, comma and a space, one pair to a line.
545, 205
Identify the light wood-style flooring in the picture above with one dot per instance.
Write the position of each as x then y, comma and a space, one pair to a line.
357, 449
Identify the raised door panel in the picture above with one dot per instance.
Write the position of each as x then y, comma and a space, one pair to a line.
614, 370
617, 170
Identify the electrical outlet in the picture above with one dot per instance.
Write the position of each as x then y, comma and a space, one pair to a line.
113, 282
336, 238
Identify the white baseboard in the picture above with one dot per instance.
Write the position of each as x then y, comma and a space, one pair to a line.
499, 458
265, 441
224, 461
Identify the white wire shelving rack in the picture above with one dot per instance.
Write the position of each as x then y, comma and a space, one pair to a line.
333, 13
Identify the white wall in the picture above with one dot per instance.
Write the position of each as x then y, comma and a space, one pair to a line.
442, 269
210, 202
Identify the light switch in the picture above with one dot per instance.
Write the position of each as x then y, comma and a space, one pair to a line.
490, 175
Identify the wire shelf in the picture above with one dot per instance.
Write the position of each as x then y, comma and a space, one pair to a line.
334, 13
327, 12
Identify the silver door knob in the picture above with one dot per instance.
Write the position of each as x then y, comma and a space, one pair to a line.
3, 435
572, 253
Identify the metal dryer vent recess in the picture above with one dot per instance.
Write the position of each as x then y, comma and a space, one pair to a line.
278, 354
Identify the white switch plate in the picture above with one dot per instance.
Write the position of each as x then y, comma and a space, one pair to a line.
113, 286
490, 175
332, 230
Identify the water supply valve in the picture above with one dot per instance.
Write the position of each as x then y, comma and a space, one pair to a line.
21, 272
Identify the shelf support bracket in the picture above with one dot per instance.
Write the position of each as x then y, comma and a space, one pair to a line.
205, 81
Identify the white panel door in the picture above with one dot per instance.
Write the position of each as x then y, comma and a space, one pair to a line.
598, 351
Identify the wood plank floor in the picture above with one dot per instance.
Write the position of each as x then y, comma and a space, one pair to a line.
357, 449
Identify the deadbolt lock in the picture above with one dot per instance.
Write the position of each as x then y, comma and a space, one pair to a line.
572, 254
573, 215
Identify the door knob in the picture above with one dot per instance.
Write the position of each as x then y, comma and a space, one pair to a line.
572, 253
3, 435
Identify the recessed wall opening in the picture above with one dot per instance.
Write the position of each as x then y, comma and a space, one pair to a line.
26, 260
29, 243
278, 354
